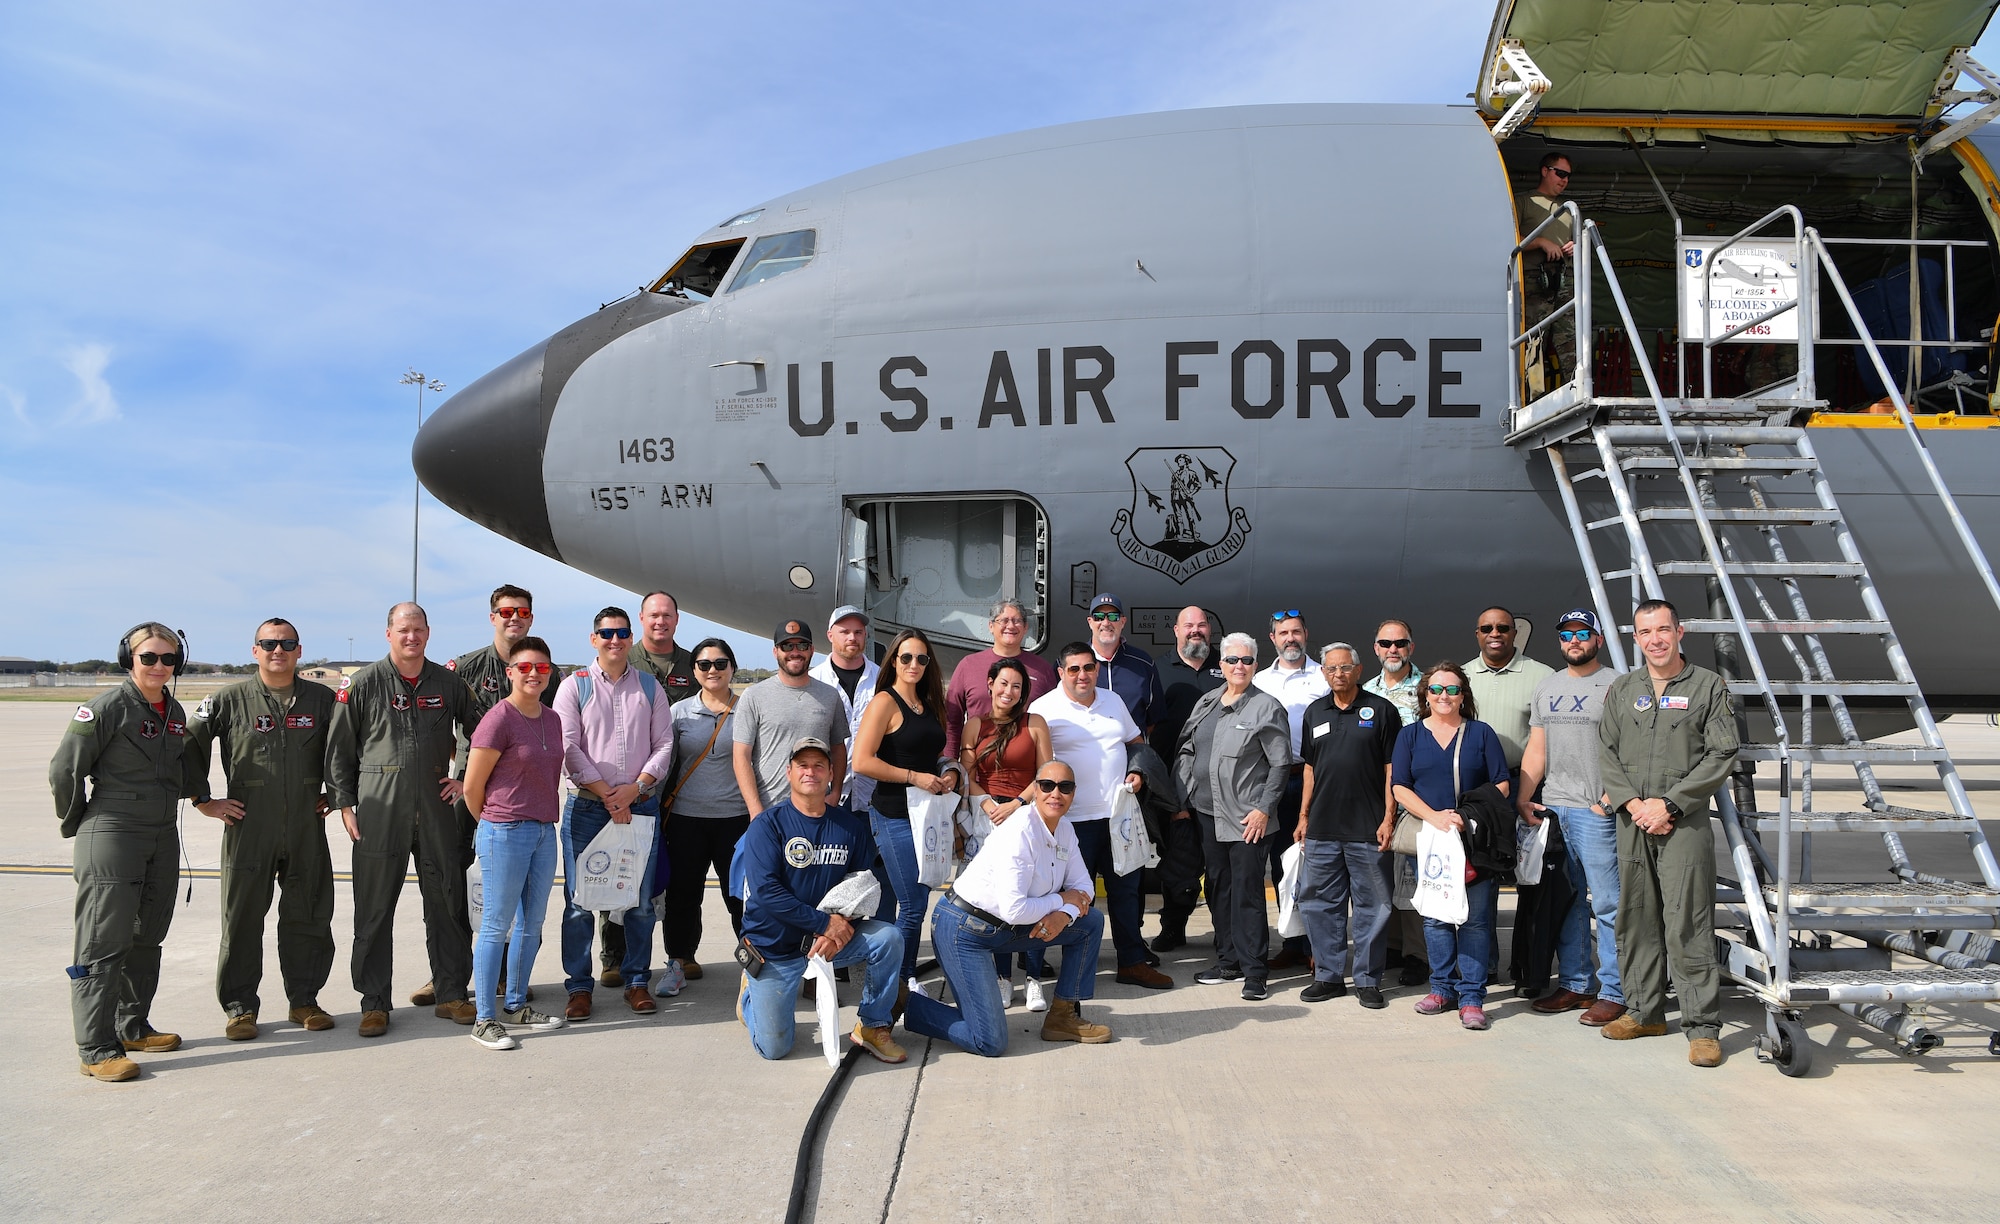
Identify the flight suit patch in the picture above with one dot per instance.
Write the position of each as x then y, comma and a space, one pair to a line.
148, 729
264, 723
84, 715
299, 722
399, 701
1673, 703
489, 685
176, 728
341, 696
451, 665
1643, 702
430, 701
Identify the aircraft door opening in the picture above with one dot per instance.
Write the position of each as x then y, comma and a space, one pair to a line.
938, 564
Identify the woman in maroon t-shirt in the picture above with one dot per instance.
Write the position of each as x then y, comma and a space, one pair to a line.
1004, 749
513, 777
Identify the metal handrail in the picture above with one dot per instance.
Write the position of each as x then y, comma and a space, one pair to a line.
1964, 529
1578, 306
1806, 321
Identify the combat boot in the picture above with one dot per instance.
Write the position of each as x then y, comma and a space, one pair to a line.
1065, 1023
113, 1070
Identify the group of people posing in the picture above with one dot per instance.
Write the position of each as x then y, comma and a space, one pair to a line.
804, 782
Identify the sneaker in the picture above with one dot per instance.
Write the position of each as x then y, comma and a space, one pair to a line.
1320, 992
1371, 998
918, 988
1215, 975
113, 1070
1007, 994
1435, 1005
241, 1027
525, 1017
1474, 1018
1038, 998
311, 1017
493, 1035
742, 994
879, 1042
672, 979
1256, 991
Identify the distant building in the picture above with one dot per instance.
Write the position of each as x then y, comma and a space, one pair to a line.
11, 665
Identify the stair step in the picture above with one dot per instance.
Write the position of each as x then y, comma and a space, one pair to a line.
1719, 463
1895, 820
1827, 688
1930, 982
1741, 514
1788, 626
1768, 569
1873, 754
1899, 895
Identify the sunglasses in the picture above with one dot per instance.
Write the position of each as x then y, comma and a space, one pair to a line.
277, 643
1107, 616
795, 647
1049, 786
1288, 614
1077, 669
511, 613
1393, 643
1576, 635
711, 664
534, 669
1496, 628
921, 660
614, 635
151, 659
1340, 667
1561, 174
1233, 660
1445, 690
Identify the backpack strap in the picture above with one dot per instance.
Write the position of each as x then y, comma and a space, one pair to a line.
650, 685
584, 686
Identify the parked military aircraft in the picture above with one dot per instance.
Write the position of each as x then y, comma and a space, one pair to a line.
1253, 357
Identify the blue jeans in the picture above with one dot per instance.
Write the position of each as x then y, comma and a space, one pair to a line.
1592, 841
897, 869
1335, 872
584, 817
965, 947
517, 866
1460, 954
1123, 902
771, 1001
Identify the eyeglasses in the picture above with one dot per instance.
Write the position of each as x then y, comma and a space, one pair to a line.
511, 613
1107, 616
921, 660
614, 635
1496, 628
1009, 622
1234, 660
1393, 643
1561, 174
534, 669
277, 643
1049, 786
1576, 635
1445, 690
711, 664
1076, 669
1288, 614
1340, 667
150, 659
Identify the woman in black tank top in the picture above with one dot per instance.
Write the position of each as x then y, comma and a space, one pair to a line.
899, 743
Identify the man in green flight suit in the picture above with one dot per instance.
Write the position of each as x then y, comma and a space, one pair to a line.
129, 743
273, 729
389, 771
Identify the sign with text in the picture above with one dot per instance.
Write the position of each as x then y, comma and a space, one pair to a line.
1746, 281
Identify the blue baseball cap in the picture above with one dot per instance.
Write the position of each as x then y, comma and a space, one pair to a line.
1583, 616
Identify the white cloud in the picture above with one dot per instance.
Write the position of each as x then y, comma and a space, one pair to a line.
94, 403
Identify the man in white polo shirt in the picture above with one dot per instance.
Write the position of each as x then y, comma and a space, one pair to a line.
1296, 683
1092, 732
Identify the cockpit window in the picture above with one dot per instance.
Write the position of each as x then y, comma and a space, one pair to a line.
742, 218
699, 273
775, 255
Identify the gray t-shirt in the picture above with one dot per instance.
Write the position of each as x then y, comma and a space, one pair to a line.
710, 791
771, 716
1568, 709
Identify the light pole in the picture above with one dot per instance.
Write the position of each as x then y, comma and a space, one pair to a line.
423, 384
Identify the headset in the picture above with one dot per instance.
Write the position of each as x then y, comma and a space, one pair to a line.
125, 646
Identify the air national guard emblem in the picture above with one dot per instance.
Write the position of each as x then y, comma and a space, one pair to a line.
265, 723
1181, 521
399, 702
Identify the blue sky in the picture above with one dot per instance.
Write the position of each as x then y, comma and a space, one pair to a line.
227, 229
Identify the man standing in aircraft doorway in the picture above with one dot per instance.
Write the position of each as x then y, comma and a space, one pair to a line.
1296, 683
1548, 278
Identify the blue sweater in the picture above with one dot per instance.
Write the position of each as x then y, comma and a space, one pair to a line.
789, 860
1420, 764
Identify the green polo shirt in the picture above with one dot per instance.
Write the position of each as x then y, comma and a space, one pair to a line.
1504, 697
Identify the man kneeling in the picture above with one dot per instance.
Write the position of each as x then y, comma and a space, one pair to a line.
1027, 888
794, 851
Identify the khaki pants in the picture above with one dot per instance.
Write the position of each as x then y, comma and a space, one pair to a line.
1550, 358
1666, 923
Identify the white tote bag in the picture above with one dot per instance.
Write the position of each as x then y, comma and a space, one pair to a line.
826, 998
1131, 848
932, 820
977, 824
613, 866
1440, 875
1291, 923
1531, 843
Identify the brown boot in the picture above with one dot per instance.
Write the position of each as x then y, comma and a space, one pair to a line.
690, 969
1626, 1027
880, 1042
155, 1042
640, 1000
578, 1007
311, 1018
1705, 1052
424, 995
374, 1023
241, 1027
1065, 1023
1601, 1013
1143, 974
113, 1070
458, 1011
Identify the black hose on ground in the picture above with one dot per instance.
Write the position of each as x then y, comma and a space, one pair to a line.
802, 1167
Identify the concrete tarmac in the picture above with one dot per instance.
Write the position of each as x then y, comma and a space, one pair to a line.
1204, 1107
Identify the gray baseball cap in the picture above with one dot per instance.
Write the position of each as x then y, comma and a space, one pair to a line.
843, 612
810, 741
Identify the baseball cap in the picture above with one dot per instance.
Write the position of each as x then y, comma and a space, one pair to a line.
810, 741
789, 630
1107, 600
843, 612
1583, 616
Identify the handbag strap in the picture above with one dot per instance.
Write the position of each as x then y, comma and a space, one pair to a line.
1457, 789
689, 771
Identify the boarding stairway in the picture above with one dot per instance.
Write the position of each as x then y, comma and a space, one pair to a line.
1661, 491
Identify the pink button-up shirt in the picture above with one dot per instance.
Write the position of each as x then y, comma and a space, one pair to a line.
616, 736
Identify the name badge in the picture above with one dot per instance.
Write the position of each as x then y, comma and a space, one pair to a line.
176, 728
1673, 703
298, 722
1325, 728
1367, 722
430, 701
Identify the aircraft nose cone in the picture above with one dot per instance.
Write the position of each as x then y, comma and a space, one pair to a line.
481, 451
